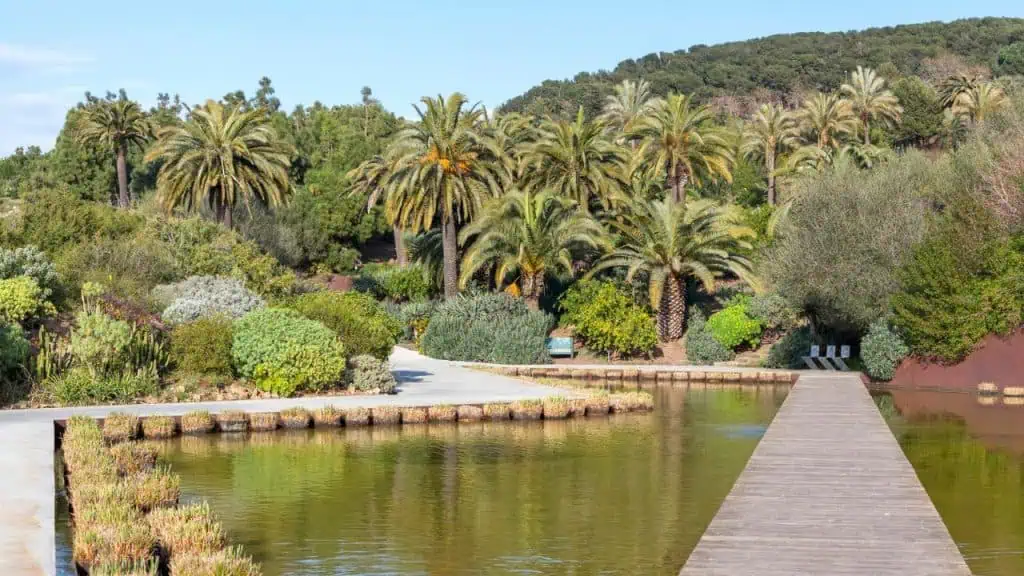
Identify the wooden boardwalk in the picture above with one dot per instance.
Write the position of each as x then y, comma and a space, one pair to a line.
827, 491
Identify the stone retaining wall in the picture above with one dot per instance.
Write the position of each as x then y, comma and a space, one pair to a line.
667, 374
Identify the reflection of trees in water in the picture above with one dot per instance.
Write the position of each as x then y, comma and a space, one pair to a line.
622, 494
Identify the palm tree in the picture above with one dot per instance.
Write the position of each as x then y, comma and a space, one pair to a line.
871, 100
683, 141
631, 102
669, 242
507, 137
771, 132
374, 178
954, 87
529, 236
980, 102
219, 157
117, 125
825, 117
576, 160
443, 171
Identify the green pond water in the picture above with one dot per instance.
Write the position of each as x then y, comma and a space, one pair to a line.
968, 452
626, 494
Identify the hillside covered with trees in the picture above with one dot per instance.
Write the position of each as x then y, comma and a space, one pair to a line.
785, 66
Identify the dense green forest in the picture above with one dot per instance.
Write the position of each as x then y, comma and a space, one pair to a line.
785, 66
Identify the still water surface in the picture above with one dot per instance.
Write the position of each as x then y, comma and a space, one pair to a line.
628, 494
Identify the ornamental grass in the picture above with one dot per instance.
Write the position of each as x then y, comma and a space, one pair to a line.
189, 529
149, 568
233, 421
414, 415
263, 422
356, 416
118, 427
327, 417
227, 562
295, 418
469, 413
443, 413
496, 412
631, 401
556, 408
383, 415
197, 422
527, 410
157, 427
133, 457
598, 404
158, 488
577, 407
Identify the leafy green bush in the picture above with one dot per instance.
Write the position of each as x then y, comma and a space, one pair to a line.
205, 296
952, 297
733, 328
415, 317
789, 351
203, 346
21, 299
882, 350
393, 283
13, 351
772, 311
366, 373
80, 386
360, 321
487, 328
606, 320
53, 219
701, 346
284, 352
32, 262
129, 266
100, 342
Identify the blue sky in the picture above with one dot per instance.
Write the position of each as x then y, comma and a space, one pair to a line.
51, 52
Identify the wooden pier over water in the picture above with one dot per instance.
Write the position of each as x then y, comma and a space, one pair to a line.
827, 491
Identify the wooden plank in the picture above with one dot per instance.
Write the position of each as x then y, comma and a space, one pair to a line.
827, 491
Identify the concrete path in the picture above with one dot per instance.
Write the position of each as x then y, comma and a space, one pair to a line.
827, 491
27, 449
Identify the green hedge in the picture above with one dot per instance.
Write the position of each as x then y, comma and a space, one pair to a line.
494, 328
607, 320
389, 282
363, 325
284, 352
732, 327
203, 346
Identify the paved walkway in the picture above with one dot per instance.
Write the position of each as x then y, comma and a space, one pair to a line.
827, 491
27, 449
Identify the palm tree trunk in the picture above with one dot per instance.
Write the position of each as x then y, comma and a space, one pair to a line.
672, 310
677, 180
451, 257
867, 132
401, 254
769, 161
122, 176
533, 289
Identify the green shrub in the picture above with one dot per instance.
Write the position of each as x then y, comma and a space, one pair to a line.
284, 352
100, 342
368, 373
22, 299
32, 262
772, 311
53, 219
79, 386
130, 267
393, 283
607, 321
882, 350
415, 317
13, 351
487, 328
952, 298
789, 351
205, 296
701, 346
733, 328
203, 346
360, 321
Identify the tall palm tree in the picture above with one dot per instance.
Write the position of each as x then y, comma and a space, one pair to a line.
507, 136
954, 87
825, 117
530, 237
117, 125
980, 102
771, 132
631, 102
443, 172
683, 142
221, 156
871, 100
669, 242
576, 160
374, 177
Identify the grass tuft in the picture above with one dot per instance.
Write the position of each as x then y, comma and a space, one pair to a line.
527, 410
133, 457
556, 408
198, 422
469, 413
263, 422
327, 417
442, 413
119, 427
383, 415
228, 562
295, 418
414, 415
159, 427
497, 412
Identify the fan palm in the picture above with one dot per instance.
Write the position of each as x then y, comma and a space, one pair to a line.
530, 237
443, 172
771, 132
870, 99
683, 141
117, 125
374, 177
631, 102
825, 117
669, 242
219, 157
980, 102
576, 160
